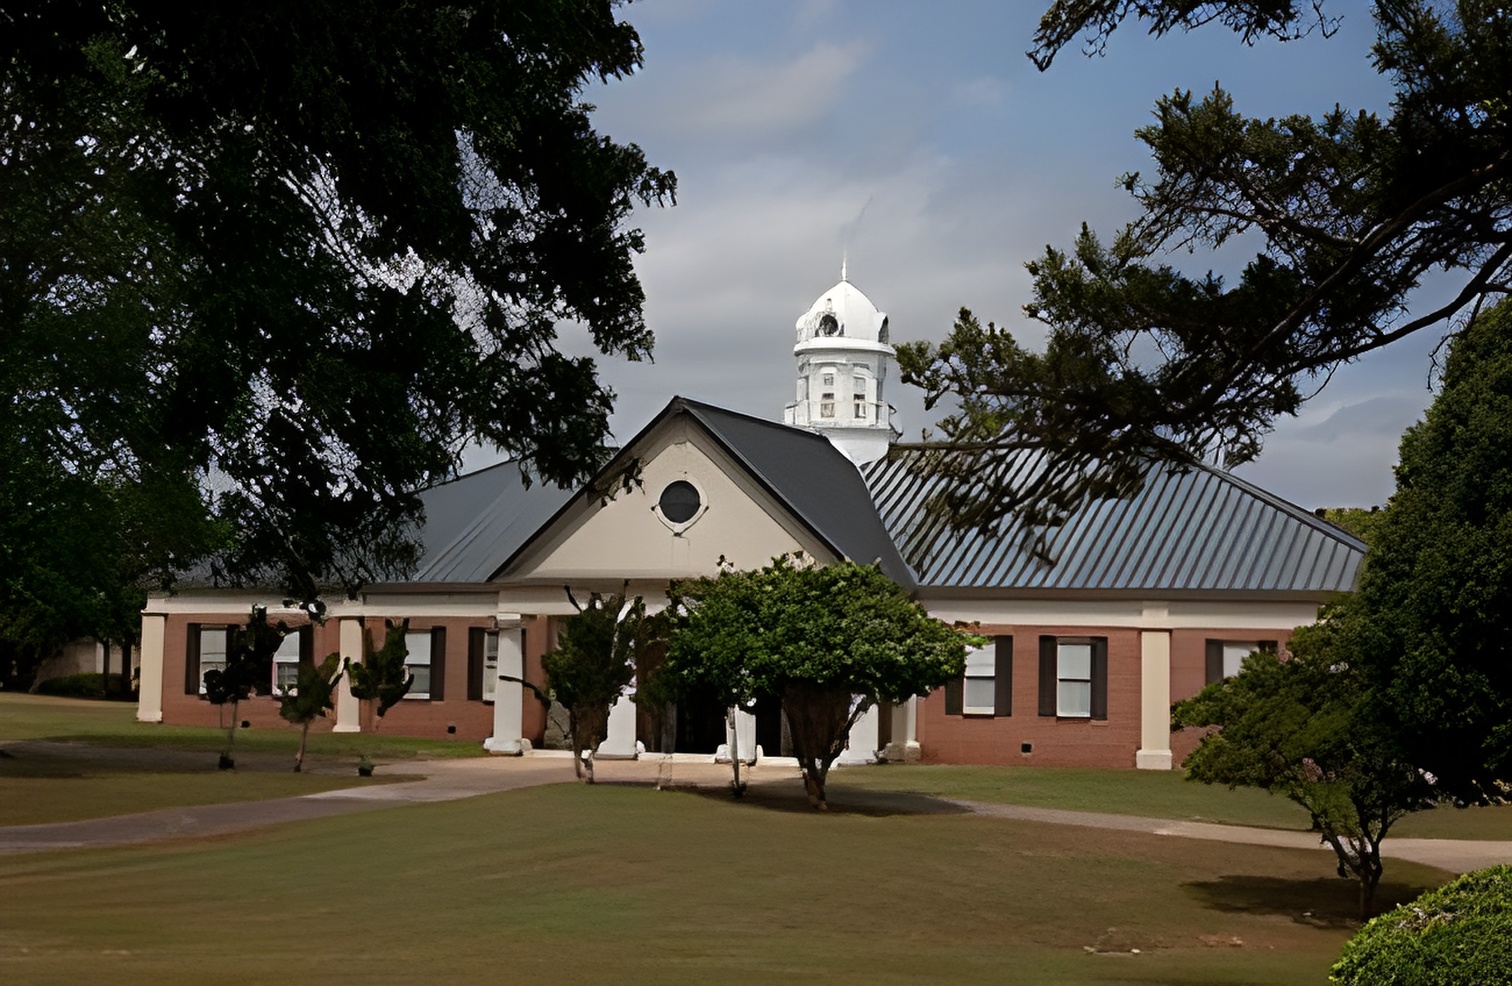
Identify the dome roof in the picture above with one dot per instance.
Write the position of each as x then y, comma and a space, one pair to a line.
844, 312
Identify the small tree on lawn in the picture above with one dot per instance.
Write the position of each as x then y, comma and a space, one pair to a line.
248, 671
828, 642
592, 666
311, 698
1308, 729
382, 678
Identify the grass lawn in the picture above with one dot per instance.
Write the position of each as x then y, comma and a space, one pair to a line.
112, 765
114, 724
1156, 794
573, 884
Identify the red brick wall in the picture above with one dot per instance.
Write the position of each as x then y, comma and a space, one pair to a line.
473, 720
1071, 742
1189, 674
1057, 742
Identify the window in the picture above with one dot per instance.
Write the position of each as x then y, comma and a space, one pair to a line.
286, 665
986, 689
482, 664
827, 404
1073, 678
1225, 656
858, 389
426, 661
829, 378
205, 650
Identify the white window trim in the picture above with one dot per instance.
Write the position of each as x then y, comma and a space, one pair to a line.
1062, 677
981, 666
291, 640
410, 665
490, 664
225, 648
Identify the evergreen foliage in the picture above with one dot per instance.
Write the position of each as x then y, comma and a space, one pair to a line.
1457, 935
1438, 577
290, 258
829, 642
1351, 212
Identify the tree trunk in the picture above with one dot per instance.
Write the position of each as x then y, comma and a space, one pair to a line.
733, 719
304, 738
226, 762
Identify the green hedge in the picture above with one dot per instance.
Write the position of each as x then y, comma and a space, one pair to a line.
88, 685
1457, 935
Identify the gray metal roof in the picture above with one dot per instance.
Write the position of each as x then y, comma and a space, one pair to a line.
820, 485
1194, 529
475, 520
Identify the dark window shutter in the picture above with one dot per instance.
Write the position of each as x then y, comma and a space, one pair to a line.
1047, 676
438, 664
1214, 661
953, 696
306, 647
1100, 678
191, 660
475, 644
1002, 701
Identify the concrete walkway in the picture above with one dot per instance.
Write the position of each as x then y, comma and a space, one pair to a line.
449, 780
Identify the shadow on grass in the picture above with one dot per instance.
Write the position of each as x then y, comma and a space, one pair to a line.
788, 796
1323, 902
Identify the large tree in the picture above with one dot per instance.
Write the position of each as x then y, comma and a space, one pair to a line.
1350, 211
299, 254
1438, 576
595, 661
1310, 728
828, 642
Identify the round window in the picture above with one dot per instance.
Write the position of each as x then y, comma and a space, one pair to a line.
679, 502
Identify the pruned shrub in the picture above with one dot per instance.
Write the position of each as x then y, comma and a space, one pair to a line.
1458, 935
90, 684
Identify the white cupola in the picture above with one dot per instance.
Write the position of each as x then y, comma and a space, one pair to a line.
843, 364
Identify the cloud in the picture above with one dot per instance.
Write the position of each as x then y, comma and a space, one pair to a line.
734, 97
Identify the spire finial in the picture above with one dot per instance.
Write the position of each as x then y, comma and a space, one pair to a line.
842, 268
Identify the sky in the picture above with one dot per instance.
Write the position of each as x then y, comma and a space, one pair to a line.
917, 143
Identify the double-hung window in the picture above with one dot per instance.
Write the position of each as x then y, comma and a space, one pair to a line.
482, 664
205, 650
426, 660
286, 665
1073, 678
1225, 657
986, 689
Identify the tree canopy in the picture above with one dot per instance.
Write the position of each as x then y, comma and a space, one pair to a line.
1351, 212
829, 642
1436, 581
594, 662
298, 255
1309, 728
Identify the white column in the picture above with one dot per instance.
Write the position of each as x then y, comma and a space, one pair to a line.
348, 709
862, 746
509, 696
743, 736
150, 697
620, 743
904, 746
1155, 701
